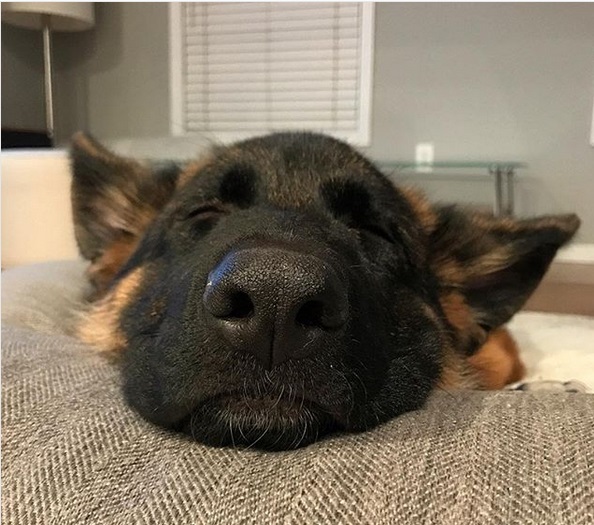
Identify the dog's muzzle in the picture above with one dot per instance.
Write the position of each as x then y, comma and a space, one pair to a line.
275, 303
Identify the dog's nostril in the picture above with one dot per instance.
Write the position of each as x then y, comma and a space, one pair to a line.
328, 313
311, 315
240, 306
276, 304
227, 304
319, 314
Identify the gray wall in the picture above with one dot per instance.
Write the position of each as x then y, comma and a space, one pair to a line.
491, 81
22, 79
114, 79
480, 81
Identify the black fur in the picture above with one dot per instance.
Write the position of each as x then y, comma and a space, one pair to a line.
309, 198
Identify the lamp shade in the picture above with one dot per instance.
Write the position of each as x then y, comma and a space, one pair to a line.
65, 16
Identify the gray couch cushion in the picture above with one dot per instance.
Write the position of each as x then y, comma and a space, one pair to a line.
73, 453
46, 297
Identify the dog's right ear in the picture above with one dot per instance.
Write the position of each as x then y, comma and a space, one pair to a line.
114, 199
487, 267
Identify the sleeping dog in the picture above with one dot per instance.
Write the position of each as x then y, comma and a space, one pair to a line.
282, 288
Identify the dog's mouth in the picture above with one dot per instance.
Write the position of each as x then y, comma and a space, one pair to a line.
282, 421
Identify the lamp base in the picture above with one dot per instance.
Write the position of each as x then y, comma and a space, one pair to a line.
25, 138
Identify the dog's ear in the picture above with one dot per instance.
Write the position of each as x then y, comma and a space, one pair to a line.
488, 267
113, 201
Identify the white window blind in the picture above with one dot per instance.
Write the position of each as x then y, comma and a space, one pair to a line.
244, 68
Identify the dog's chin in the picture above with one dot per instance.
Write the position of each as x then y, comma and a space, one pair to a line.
261, 422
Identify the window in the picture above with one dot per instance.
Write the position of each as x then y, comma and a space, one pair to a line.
239, 69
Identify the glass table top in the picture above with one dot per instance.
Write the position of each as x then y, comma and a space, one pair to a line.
466, 164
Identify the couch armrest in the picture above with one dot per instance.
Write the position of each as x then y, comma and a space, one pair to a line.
36, 211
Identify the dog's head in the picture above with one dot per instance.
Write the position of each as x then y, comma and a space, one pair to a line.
282, 288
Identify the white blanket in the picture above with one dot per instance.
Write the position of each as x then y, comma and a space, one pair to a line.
556, 347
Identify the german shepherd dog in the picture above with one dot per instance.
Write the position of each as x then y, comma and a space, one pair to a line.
282, 288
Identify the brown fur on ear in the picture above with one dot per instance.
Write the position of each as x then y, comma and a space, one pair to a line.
487, 267
114, 199
421, 207
103, 269
467, 333
496, 364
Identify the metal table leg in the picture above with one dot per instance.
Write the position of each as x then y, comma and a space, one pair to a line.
509, 175
503, 207
498, 174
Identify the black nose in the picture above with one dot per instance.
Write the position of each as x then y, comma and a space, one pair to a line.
275, 303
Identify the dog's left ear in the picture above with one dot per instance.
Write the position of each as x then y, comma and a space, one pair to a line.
113, 201
487, 267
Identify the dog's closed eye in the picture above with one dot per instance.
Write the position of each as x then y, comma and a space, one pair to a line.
201, 212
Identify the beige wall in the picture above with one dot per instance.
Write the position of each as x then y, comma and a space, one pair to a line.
480, 81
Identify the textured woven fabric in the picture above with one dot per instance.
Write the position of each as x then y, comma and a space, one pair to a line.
45, 296
73, 453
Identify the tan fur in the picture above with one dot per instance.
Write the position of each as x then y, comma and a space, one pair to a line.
104, 268
452, 273
567, 223
498, 361
488, 223
124, 211
457, 311
493, 261
455, 371
496, 364
101, 327
449, 272
422, 208
192, 169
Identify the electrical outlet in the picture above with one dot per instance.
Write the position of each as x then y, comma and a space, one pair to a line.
424, 153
